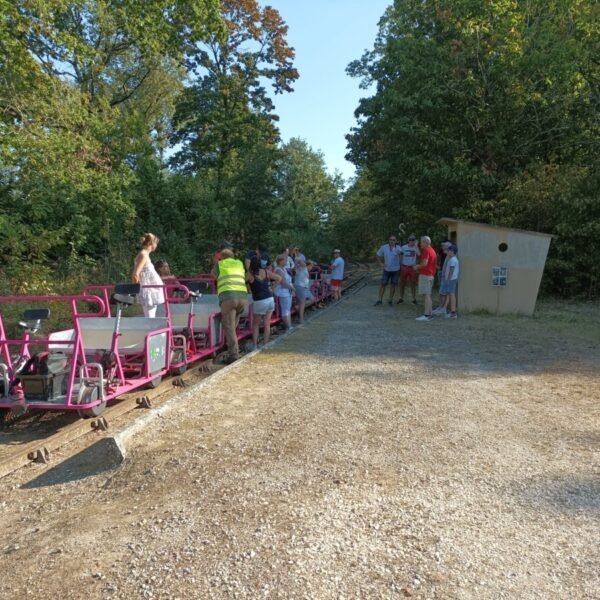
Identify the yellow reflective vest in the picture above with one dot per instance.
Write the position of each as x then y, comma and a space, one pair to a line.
231, 276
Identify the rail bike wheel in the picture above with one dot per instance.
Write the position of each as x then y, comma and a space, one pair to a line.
178, 356
91, 395
154, 383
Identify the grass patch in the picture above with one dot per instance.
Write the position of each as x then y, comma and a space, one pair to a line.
569, 318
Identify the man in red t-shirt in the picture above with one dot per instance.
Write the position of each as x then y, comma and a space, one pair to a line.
426, 269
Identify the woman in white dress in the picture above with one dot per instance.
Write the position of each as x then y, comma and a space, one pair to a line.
145, 274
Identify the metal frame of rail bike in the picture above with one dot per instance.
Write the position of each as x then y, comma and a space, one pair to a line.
67, 390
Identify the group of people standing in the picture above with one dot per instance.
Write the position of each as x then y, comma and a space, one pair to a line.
415, 266
280, 281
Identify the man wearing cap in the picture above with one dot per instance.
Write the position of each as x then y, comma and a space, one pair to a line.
426, 269
337, 274
408, 275
233, 298
390, 253
225, 245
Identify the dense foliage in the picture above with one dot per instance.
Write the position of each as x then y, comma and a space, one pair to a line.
119, 117
486, 111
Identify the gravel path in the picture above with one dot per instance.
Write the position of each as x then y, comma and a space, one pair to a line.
364, 456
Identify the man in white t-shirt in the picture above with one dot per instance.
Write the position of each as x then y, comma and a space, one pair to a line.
390, 253
408, 274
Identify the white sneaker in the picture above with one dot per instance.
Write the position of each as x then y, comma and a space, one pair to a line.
440, 310
424, 318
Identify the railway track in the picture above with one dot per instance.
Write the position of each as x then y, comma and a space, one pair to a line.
35, 436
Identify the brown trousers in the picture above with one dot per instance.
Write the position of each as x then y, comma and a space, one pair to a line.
230, 319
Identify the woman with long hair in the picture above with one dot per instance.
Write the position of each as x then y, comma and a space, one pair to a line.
145, 274
263, 303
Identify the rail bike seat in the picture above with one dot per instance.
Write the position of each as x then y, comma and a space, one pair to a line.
122, 299
33, 317
124, 293
194, 288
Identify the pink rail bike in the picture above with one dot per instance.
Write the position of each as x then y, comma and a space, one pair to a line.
48, 373
103, 356
195, 329
196, 322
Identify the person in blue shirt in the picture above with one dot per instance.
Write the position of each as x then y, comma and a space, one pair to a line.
390, 253
337, 274
261, 252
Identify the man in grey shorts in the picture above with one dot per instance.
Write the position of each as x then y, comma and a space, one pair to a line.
390, 253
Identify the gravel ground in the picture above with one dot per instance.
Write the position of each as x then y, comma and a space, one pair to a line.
364, 456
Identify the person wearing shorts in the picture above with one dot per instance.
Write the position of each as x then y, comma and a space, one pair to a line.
426, 269
450, 282
337, 274
284, 291
263, 303
408, 275
304, 296
390, 253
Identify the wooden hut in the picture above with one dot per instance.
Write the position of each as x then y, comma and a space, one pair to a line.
500, 268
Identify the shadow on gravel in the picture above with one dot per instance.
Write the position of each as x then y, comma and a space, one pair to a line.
573, 494
472, 346
98, 458
35, 424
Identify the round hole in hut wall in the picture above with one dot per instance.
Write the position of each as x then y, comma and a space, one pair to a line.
503, 247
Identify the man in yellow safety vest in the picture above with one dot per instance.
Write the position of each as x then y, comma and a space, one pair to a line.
233, 298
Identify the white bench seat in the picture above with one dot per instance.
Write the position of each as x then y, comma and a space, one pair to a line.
97, 332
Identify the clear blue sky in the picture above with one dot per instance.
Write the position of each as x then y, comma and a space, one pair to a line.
327, 35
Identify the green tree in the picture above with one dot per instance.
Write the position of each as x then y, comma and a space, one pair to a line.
225, 126
472, 96
306, 199
86, 92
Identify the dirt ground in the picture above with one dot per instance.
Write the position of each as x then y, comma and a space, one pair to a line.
366, 455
